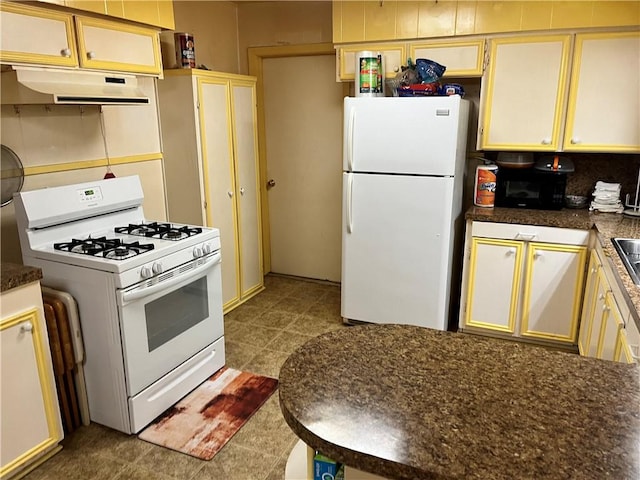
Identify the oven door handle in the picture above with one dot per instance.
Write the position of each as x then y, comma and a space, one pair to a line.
145, 292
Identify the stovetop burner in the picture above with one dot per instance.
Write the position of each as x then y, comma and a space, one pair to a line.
112, 248
165, 231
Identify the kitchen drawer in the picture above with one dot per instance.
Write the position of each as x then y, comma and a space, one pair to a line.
533, 233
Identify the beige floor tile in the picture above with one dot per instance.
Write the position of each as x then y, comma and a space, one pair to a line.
136, 472
326, 311
312, 325
78, 465
237, 463
276, 319
244, 313
267, 362
170, 462
287, 342
254, 335
293, 304
237, 355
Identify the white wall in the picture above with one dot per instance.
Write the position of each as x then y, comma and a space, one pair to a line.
60, 145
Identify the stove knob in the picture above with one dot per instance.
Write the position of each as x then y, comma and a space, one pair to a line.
157, 268
206, 248
197, 252
146, 272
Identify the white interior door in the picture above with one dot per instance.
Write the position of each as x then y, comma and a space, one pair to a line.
303, 118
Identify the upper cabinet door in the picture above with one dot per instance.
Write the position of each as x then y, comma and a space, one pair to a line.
36, 36
524, 96
393, 58
106, 45
462, 59
605, 84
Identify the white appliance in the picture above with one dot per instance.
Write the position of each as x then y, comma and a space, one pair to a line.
149, 294
403, 162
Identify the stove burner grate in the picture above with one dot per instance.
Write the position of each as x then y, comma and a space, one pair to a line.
165, 231
112, 248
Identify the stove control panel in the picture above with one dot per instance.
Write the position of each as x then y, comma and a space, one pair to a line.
92, 194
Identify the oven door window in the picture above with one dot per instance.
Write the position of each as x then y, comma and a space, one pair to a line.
171, 315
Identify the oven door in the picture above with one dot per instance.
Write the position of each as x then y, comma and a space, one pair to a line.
170, 318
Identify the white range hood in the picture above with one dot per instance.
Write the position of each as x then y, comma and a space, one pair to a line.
35, 85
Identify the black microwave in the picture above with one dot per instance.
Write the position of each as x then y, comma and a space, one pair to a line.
530, 188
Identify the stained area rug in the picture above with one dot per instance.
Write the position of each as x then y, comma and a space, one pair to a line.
205, 420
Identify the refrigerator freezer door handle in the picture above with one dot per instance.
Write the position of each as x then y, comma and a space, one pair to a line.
349, 202
352, 123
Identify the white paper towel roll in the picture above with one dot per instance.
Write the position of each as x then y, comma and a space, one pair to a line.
369, 74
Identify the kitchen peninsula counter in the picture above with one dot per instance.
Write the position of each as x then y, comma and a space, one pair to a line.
606, 226
406, 402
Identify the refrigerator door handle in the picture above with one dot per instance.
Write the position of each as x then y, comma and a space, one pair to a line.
352, 123
349, 202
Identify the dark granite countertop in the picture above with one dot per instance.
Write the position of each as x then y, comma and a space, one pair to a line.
607, 225
413, 403
14, 275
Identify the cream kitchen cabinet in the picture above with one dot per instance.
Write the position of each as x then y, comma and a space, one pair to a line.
523, 281
547, 112
61, 39
209, 134
462, 59
151, 12
522, 96
30, 427
359, 21
108, 45
605, 84
607, 330
34, 35
394, 56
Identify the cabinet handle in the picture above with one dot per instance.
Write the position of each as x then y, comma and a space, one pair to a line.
241, 190
575, 141
230, 193
601, 296
65, 52
546, 141
26, 327
511, 251
91, 55
537, 254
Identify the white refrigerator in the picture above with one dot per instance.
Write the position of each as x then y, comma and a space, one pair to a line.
403, 169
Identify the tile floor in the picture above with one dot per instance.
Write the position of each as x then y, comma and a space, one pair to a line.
260, 335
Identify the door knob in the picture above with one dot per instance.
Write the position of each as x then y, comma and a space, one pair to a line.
271, 183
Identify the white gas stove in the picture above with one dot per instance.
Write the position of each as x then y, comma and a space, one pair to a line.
149, 294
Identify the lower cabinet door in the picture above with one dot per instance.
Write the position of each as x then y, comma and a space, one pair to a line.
612, 324
588, 304
494, 284
553, 291
30, 421
599, 312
